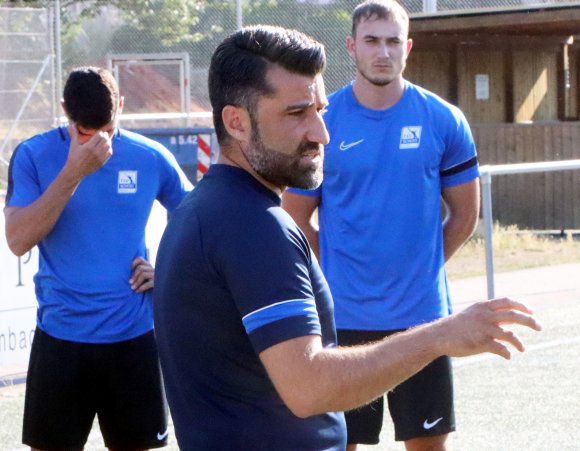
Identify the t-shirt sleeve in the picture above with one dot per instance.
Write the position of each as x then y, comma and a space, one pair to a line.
269, 279
459, 164
305, 192
23, 184
174, 183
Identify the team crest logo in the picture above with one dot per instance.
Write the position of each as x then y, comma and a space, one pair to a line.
127, 182
410, 137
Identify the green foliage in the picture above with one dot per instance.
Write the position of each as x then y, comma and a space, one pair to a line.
329, 23
169, 20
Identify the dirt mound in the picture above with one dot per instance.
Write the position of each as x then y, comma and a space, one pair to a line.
147, 89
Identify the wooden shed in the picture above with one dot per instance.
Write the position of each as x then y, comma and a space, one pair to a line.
515, 73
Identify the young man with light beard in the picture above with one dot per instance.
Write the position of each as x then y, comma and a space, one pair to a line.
395, 151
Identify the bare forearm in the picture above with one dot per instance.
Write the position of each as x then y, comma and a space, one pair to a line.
455, 233
346, 378
26, 226
312, 380
354, 376
462, 204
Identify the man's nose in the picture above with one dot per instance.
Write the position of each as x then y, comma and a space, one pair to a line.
318, 132
384, 50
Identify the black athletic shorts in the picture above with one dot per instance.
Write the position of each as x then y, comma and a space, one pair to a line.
68, 383
422, 406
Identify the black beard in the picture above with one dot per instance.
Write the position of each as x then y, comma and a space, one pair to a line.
283, 170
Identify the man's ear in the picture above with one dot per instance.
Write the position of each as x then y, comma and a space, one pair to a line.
409, 46
237, 122
121, 104
350, 46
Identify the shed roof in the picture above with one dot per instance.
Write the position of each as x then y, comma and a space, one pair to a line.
562, 19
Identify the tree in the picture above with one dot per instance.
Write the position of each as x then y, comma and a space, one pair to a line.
169, 20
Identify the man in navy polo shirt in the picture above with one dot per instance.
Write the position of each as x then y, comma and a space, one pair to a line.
243, 315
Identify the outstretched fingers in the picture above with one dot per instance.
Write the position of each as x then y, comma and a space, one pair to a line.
495, 347
509, 304
510, 337
508, 311
482, 327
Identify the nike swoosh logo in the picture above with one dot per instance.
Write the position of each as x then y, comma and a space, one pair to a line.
344, 146
427, 425
163, 436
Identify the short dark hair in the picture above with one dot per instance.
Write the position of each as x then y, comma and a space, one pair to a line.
91, 97
378, 9
237, 72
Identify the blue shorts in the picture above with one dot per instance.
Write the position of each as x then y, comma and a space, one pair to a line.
69, 383
422, 406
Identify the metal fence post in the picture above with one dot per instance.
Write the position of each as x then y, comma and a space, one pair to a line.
488, 229
239, 14
58, 56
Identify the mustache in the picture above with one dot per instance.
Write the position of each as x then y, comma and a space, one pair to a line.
310, 145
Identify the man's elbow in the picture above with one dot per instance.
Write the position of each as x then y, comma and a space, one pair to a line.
464, 223
472, 224
469, 225
16, 246
306, 400
303, 406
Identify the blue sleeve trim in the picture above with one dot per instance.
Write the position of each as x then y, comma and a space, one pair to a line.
10, 188
305, 192
284, 330
278, 311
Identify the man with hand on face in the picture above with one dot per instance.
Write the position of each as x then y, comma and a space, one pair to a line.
396, 150
243, 315
83, 193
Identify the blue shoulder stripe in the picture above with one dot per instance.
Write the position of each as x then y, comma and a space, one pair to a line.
278, 311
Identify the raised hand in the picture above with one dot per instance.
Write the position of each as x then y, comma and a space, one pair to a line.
88, 157
481, 328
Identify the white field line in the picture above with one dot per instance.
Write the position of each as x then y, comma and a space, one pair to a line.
459, 362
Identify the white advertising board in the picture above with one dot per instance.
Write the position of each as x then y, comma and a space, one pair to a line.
17, 299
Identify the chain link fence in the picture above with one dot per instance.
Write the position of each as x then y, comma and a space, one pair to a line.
27, 102
41, 41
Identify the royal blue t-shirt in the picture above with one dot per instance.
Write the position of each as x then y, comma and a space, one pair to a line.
82, 285
381, 235
235, 276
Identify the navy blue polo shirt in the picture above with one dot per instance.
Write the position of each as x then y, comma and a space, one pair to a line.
234, 276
